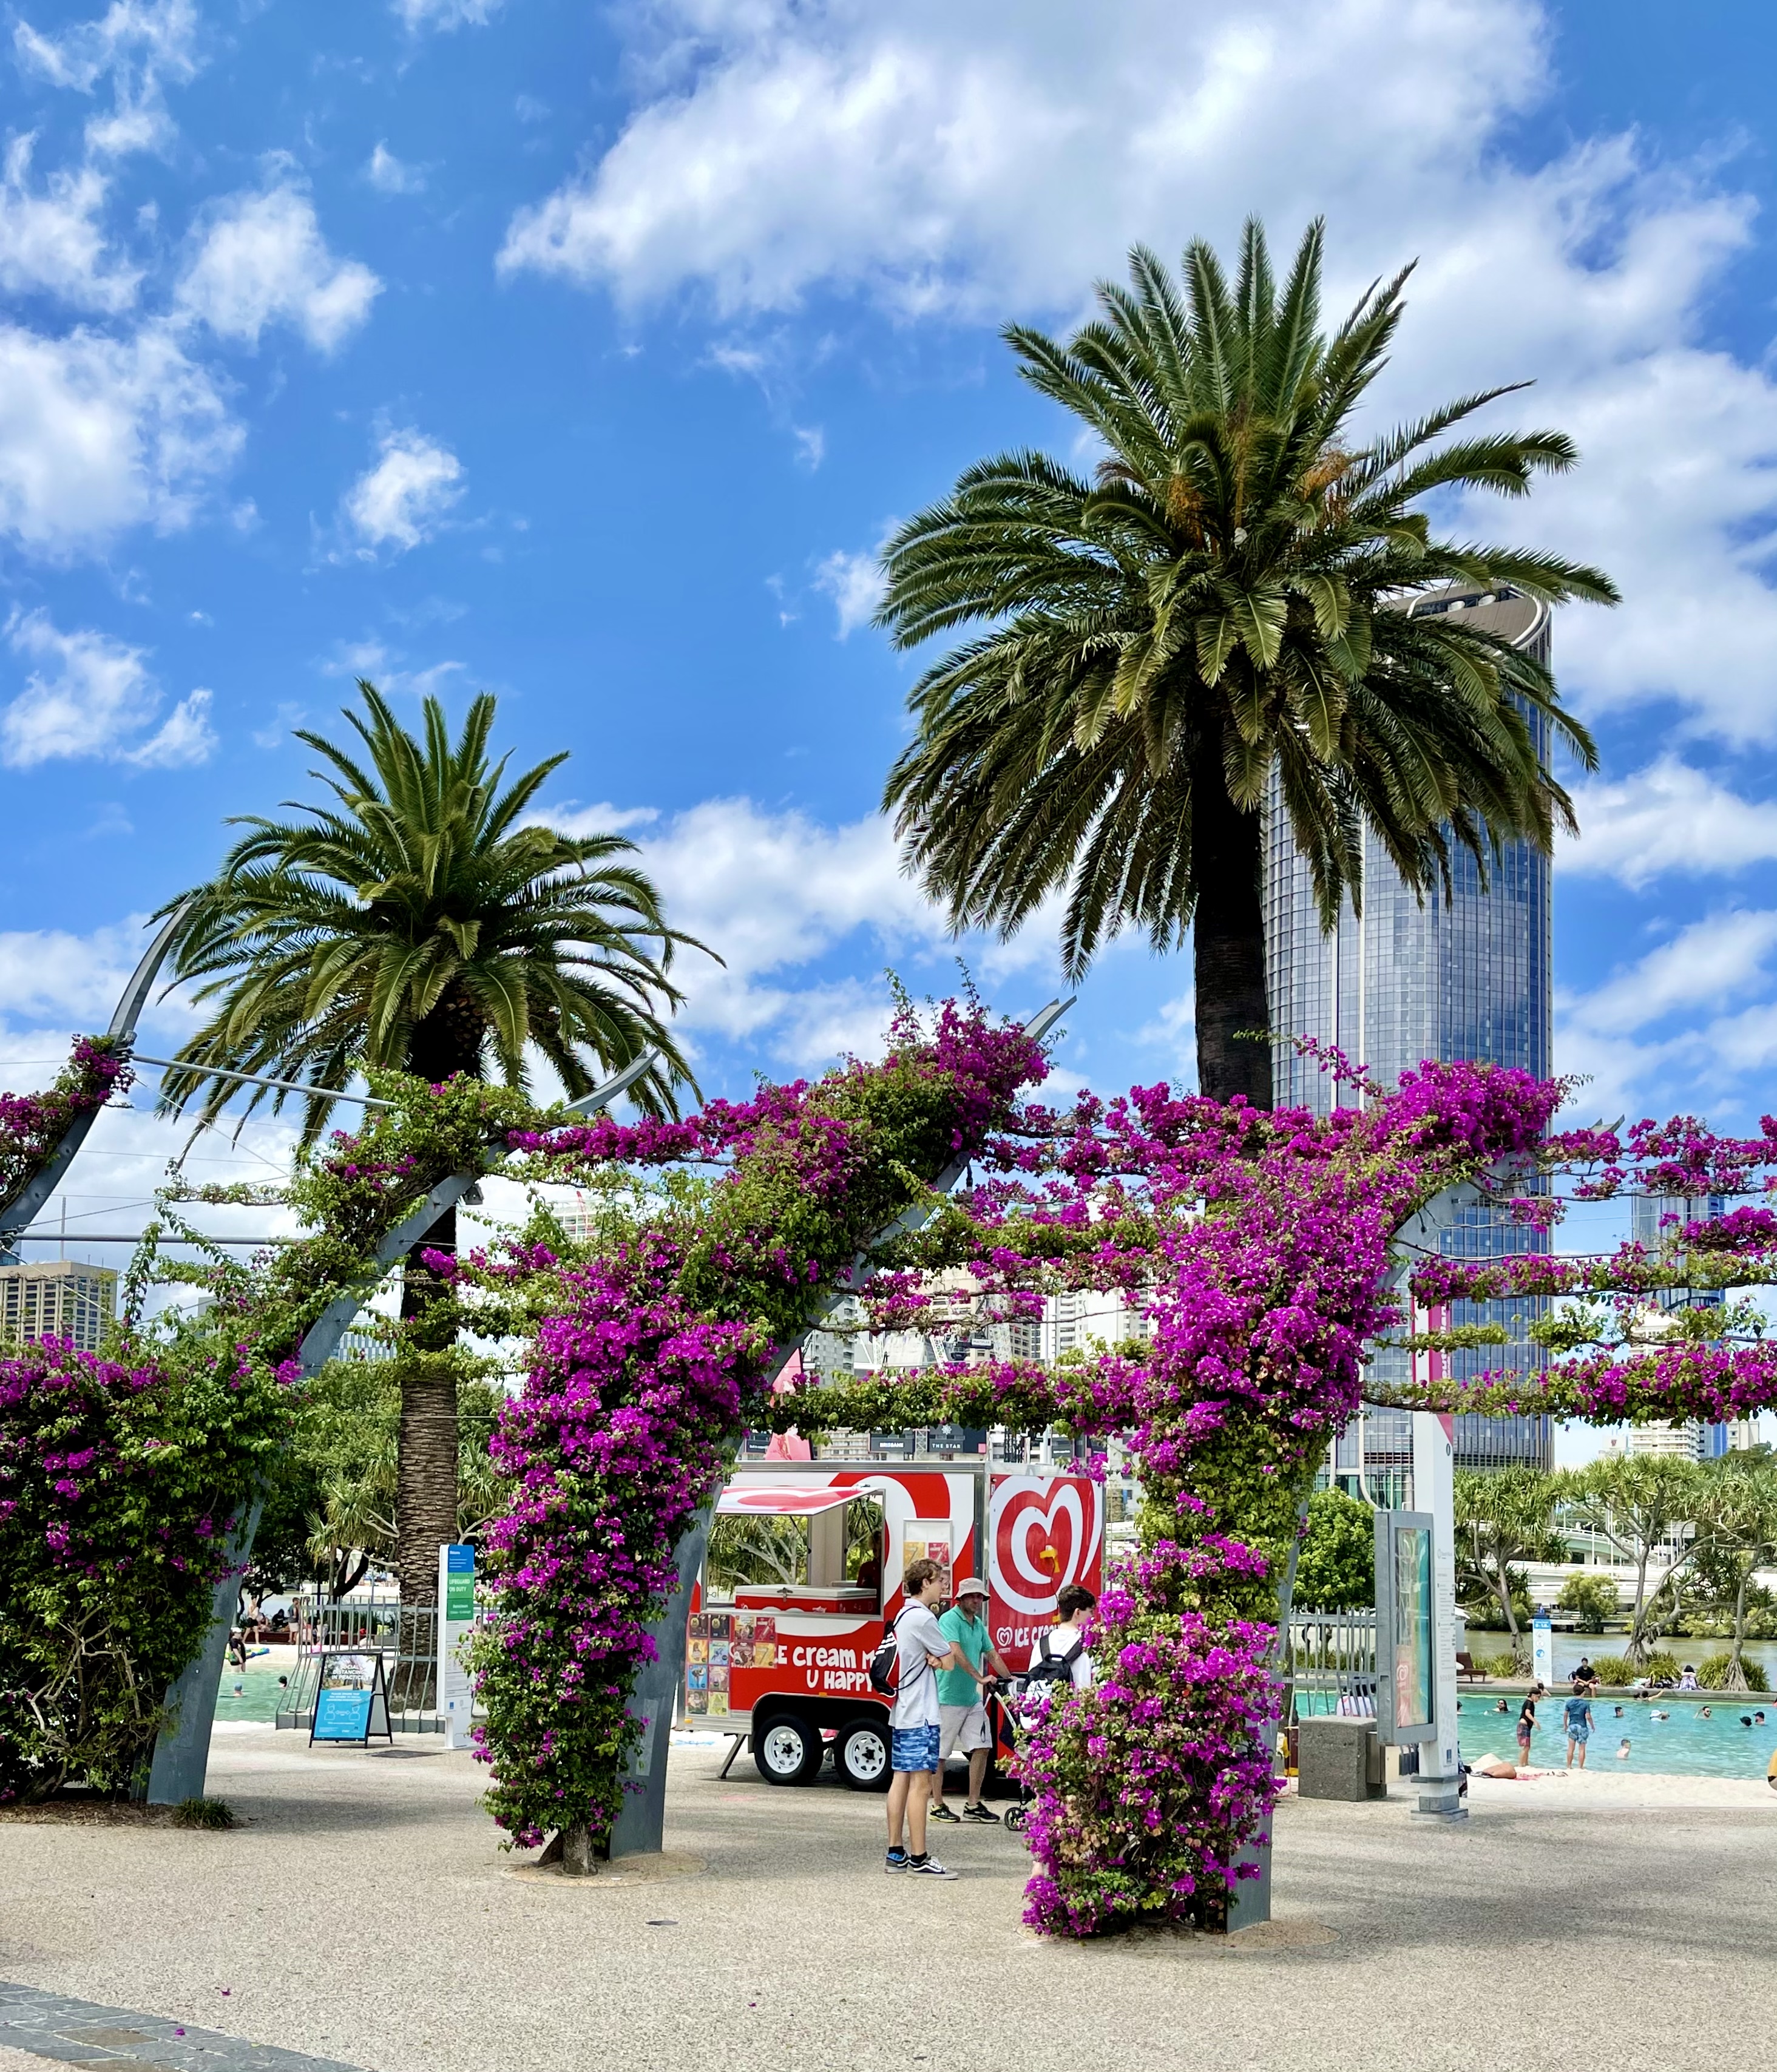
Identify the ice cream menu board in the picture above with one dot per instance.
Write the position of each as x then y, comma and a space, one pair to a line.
717, 1644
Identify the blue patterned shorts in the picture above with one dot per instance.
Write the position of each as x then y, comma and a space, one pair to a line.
915, 1748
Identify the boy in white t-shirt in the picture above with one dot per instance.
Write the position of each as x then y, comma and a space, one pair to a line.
915, 1722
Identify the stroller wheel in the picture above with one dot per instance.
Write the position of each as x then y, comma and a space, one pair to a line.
1015, 1818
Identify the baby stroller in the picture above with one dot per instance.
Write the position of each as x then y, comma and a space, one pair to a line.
1011, 1735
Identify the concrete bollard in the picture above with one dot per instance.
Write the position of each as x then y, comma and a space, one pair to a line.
1339, 1758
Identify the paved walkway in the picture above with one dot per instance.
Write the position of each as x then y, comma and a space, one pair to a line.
365, 1918
79, 2033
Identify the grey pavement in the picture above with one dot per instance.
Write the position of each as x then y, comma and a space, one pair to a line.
365, 1916
74, 2032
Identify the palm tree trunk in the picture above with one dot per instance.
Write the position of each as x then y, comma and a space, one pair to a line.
425, 1471
447, 1041
1227, 932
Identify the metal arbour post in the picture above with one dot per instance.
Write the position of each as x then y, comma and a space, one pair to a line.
21, 1211
182, 1752
641, 1820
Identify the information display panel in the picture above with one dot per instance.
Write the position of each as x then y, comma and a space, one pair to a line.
1406, 1707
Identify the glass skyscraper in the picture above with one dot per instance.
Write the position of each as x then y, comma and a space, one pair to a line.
1405, 980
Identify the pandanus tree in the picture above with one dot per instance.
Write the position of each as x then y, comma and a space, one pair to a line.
1218, 609
1503, 1518
417, 921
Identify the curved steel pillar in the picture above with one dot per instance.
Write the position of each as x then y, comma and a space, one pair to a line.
182, 1752
22, 1210
641, 1820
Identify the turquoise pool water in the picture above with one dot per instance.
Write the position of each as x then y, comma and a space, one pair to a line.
251, 1693
1684, 1745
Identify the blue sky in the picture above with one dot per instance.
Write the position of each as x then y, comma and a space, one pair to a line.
585, 356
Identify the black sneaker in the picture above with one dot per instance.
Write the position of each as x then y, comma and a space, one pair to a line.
896, 1860
981, 1814
928, 1867
941, 1813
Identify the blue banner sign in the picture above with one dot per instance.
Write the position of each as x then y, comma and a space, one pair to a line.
341, 1716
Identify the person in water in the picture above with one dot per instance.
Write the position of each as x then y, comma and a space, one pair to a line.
1623, 1751
1576, 1721
1705, 1712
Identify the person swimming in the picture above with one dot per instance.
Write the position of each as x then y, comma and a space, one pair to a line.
1704, 1712
1662, 1715
1623, 1752
1745, 1719
1619, 1711
1502, 1706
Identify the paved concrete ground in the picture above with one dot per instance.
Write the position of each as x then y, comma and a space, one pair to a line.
366, 1915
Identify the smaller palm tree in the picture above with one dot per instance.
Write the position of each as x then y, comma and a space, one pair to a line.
419, 923
416, 921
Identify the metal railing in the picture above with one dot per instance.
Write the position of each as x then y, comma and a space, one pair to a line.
405, 1636
1331, 1661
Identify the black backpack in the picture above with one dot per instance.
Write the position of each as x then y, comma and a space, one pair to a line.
884, 1664
1047, 1671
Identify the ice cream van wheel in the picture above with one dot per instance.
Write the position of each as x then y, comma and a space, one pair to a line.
861, 1754
1015, 1819
787, 1750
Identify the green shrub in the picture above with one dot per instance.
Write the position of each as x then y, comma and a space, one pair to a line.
1711, 1673
1336, 1571
1615, 1669
1591, 1599
204, 1813
1661, 1666
1497, 1665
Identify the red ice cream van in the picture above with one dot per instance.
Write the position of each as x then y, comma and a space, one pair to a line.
805, 1565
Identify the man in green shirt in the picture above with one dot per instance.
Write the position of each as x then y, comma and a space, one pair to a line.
962, 1708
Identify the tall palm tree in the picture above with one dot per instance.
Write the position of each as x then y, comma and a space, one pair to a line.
1218, 609
414, 921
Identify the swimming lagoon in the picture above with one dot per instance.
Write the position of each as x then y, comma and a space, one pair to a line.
1684, 1744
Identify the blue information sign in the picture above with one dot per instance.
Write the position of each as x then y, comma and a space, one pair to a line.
341, 1716
350, 1710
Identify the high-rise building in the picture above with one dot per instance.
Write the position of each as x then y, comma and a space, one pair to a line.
1409, 979
60, 1298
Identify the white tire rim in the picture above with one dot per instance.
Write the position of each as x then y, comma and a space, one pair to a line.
785, 1751
866, 1756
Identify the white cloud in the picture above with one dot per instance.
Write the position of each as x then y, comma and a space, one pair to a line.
854, 582
390, 175
446, 13
774, 894
139, 46
98, 433
263, 261
50, 239
963, 160
91, 697
1667, 817
47, 974
1700, 967
399, 501
1173, 1032
1686, 988
185, 738
959, 155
